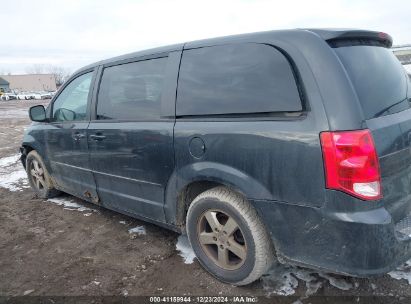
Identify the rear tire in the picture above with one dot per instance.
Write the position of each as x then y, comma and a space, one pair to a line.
228, 237
39, 178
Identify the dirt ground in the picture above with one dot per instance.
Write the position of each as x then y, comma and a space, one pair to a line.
62, 249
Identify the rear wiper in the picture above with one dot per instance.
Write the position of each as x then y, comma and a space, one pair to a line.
390, 107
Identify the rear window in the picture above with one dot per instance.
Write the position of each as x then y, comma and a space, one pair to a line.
132, 91
377, 77
236, 79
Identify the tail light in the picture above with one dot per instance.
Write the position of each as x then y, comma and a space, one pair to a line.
351, 163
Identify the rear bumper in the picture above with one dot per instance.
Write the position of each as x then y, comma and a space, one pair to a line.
359, 244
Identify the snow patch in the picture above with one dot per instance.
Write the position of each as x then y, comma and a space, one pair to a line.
284, 279
183, 245
408, 68
123, 222
69, 204
280, 281
9, 160
12, 174
27, 292
402, 272
140, 230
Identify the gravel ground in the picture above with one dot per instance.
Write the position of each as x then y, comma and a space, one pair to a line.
66, 247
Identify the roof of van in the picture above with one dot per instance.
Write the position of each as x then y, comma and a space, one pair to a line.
324, 33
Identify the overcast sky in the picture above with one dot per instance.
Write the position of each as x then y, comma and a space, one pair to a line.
73, 33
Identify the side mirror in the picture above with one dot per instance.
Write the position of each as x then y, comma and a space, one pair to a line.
37, 113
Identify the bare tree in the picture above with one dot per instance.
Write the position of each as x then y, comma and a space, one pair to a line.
61, 74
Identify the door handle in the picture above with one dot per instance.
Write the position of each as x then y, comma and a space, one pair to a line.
78, 136
97, 137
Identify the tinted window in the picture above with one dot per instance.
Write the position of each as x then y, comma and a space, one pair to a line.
132, 91
238, 78
377, 77
71, 104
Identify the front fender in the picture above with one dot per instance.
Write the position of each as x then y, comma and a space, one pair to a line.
34, 139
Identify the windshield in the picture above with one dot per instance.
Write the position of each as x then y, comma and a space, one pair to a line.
378, 78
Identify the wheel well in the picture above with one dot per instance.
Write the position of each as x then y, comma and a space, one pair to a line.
189, 193
26, 150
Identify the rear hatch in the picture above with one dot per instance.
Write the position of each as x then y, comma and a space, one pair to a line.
383, 90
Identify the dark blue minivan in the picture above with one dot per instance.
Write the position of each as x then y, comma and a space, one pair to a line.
291, 144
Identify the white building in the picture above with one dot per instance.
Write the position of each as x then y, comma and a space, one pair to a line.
31, 82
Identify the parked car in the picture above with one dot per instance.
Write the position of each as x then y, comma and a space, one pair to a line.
36, 95
46, 95
12, 96
41, 95
33, 95
290, 142
24, 96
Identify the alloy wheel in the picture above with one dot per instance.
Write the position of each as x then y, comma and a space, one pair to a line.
221, 239
37, 174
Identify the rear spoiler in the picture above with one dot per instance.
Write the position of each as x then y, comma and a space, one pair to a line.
341, 37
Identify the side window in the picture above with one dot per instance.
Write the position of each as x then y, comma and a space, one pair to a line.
132, 91
71, 104
236, 79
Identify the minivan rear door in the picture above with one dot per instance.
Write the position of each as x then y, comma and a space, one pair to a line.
131, 135
383, 91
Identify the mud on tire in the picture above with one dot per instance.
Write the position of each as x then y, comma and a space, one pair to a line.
39, 178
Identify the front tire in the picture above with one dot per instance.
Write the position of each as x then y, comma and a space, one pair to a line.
39, 178
228, 237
